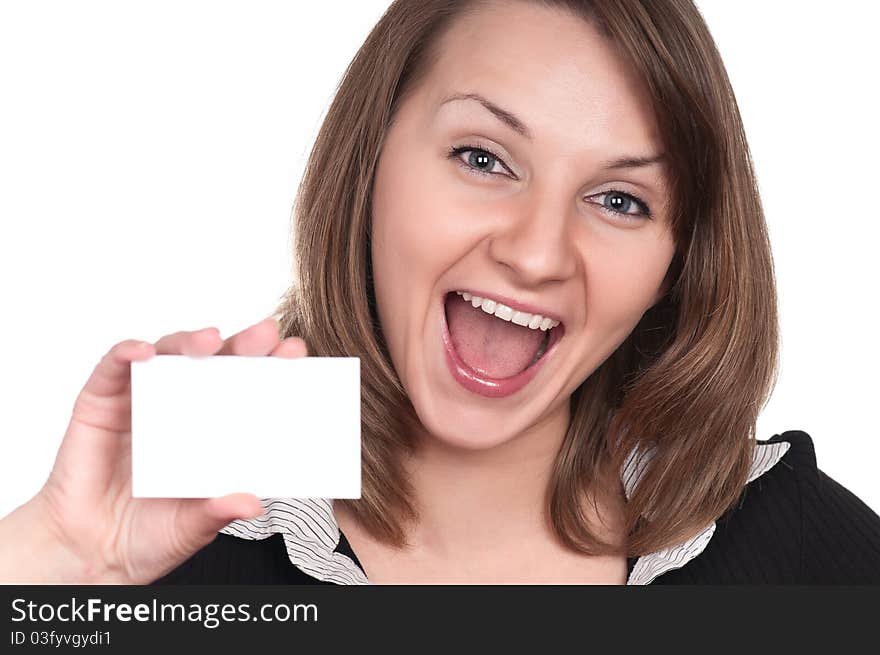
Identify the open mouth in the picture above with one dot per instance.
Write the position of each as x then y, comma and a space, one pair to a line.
491, 347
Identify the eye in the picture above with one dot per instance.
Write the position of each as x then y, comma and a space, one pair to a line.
480, 161
620, 203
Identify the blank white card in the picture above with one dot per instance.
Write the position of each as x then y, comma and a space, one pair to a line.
270, 426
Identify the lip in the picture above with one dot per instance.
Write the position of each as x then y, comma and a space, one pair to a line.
513, 304
486, 386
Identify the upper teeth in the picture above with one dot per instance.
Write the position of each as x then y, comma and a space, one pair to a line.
531, 321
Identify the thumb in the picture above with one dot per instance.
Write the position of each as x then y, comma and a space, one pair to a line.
203, 517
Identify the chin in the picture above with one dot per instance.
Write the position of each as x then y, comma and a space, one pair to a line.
473, 429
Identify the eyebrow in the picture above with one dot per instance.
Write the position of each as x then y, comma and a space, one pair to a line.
503, 115
514, 123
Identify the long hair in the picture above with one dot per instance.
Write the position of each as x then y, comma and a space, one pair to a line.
689, 381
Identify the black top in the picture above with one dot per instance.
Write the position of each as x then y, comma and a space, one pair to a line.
795, 524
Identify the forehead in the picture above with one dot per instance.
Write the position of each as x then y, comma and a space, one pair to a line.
550, 68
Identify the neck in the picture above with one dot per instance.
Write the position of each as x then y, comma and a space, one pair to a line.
476, 503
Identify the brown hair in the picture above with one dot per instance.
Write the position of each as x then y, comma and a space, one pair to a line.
691, 378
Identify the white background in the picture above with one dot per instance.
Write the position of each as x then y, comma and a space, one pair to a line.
150, 151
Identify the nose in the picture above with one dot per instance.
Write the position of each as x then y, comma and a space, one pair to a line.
534, 240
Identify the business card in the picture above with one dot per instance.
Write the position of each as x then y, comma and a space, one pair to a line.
270, 426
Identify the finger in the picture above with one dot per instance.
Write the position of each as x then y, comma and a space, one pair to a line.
258, 339
113, 373
196, 343
201, 518
290, 348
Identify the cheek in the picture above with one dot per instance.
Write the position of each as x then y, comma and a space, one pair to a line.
419, 227
622, 284
414, 241
400, 199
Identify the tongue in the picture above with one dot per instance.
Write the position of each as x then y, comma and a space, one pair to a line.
490, 345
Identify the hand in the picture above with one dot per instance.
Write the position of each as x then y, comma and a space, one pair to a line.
84, 517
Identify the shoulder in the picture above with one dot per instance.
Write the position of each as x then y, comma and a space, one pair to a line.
840, 532
232, 560
792, 524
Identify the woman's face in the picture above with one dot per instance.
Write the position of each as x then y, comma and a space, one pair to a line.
534, 222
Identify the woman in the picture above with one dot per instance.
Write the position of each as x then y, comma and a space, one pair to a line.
537, 225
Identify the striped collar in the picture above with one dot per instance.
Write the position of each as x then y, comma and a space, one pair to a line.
659, 562
311, 533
